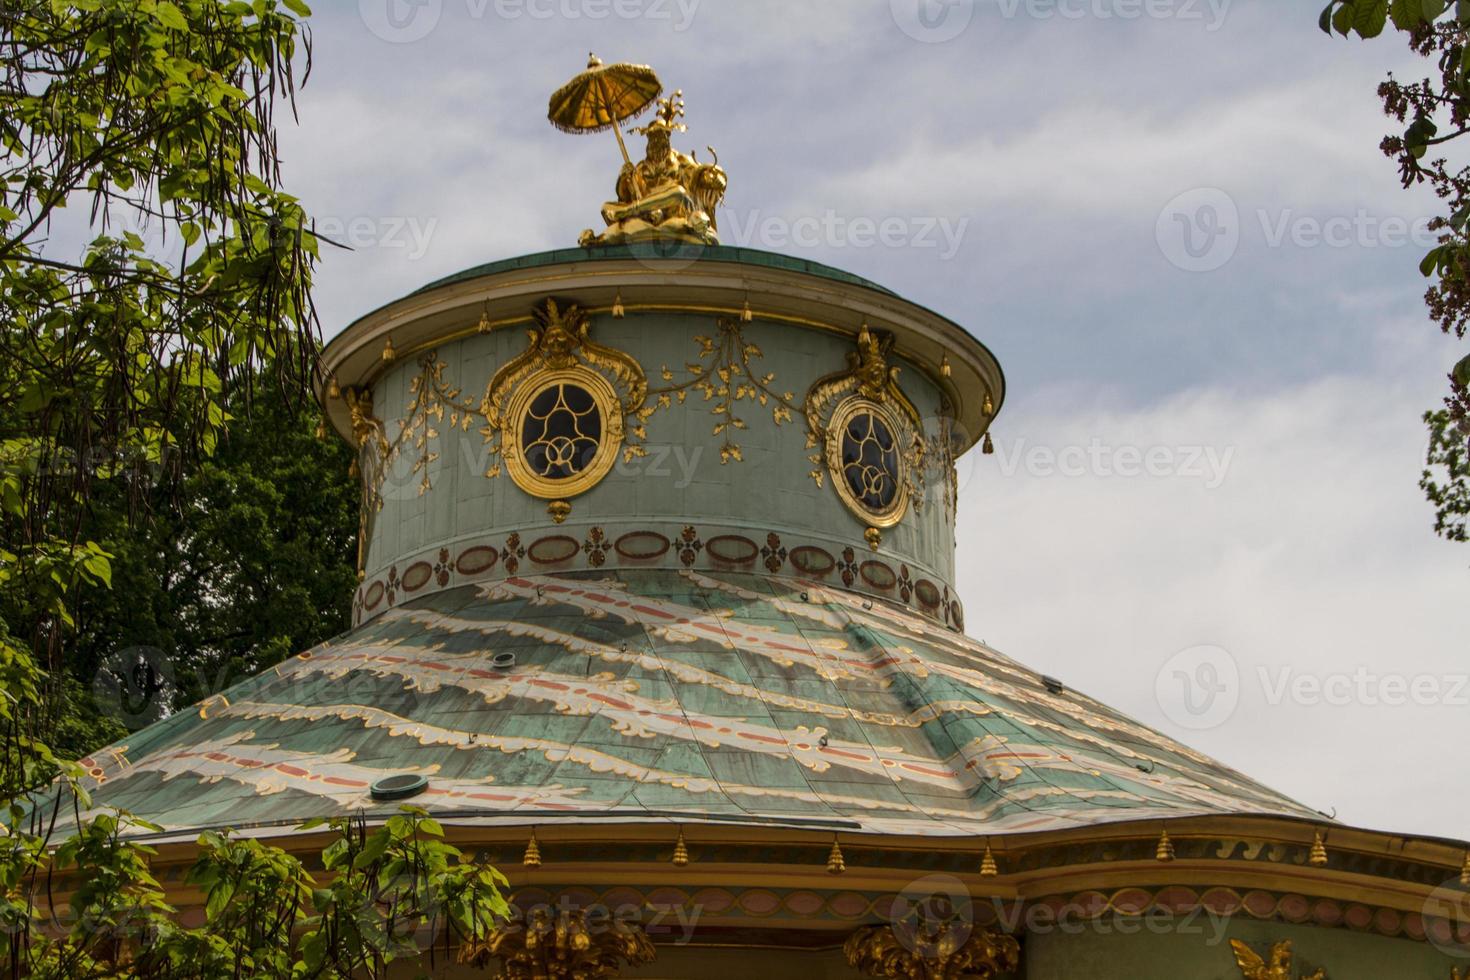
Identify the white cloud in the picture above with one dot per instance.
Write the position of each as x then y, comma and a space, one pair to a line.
1312, 555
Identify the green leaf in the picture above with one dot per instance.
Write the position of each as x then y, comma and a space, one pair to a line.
170, 16
1370, 17
1406, 14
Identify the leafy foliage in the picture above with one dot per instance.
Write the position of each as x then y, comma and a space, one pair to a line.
387, 895
1434, 112
125, 370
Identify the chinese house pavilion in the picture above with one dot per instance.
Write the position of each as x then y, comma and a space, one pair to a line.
658, 615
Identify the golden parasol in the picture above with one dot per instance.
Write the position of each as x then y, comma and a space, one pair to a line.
602, 97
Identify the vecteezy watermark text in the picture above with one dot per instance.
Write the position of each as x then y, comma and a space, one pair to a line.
936, 21
1207, 464
756, 229
1202, 229
1201, 687
406, 21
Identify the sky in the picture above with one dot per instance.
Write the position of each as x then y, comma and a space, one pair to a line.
1170, 221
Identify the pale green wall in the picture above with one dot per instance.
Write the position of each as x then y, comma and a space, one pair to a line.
770, 490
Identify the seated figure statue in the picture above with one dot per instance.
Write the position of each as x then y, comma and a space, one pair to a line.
667, 194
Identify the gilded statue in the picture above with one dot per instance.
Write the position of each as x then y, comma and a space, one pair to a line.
668, 193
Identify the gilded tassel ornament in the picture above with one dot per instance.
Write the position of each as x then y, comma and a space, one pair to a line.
617, 309
944, 368
388, 352
532, 858
1318, 857
1465, 871
988, 446
681, 852
835, 864
1165, 851
988, 868
745, 315
321, 429
484, 325
989, 407
333, 389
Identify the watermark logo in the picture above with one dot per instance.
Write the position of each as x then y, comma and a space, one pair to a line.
134, 685
932, 21
1199, 231
400, 21
1447, 919
932, 915
1198, 688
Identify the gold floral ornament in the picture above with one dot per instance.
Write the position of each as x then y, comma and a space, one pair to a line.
1278, 966
724, 376
867, 435
932, 950
558, 414
567, 945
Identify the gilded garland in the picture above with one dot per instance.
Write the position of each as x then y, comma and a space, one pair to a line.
556, 417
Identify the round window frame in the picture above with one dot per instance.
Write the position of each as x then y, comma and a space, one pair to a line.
606, 454
836, 432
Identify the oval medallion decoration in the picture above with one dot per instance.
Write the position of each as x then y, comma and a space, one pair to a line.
374, 596
554, 549
641, 545
812, 560
867, 463
417, 575
928, 593
877, 574
732, 548
473, 561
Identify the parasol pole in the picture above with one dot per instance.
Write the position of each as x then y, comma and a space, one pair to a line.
617, 128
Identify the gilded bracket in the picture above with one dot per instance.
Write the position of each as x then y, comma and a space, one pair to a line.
1277, 965
947, 950
564, 946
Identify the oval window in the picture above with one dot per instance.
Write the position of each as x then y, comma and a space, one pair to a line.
567, 428
866, 462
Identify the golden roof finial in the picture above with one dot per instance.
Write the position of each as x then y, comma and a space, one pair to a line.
1165, 850
835, 864
1318, 856
988, 867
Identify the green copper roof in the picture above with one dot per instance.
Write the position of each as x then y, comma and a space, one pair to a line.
650, 694
679, 251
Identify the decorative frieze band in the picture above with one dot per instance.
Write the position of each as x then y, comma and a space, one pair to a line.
702, 548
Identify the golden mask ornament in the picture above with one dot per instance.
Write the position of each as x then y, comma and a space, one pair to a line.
565, 945
932, 948
867, 435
